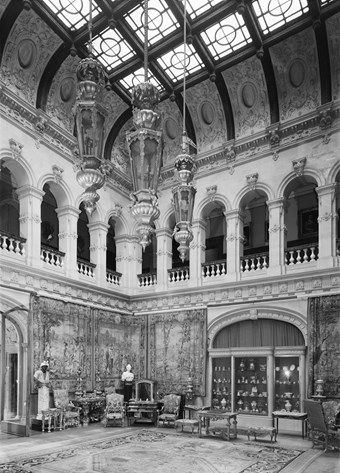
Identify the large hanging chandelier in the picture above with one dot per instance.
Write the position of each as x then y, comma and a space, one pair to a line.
145, 150
184, 192
92, 171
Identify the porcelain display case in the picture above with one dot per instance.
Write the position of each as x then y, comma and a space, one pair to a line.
287, 384
221, 383
251, 392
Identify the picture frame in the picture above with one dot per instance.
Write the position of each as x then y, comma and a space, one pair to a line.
308, 222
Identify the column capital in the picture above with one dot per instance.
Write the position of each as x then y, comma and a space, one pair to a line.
199, 222
276, 203
325, 190
30, 191
234, 213
68, 210
164, 232
93, 226
126, 238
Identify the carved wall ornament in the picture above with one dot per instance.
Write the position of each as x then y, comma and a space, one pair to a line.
117, 210
172, 126
327, 216
333, 36
299, 166
57, 173
231, 169
211, 191
207, 112
253, 314
16, 149
276, 228
300, 286
326, 118
230, 153
252, 180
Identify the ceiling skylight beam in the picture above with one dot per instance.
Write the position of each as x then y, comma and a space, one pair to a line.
251, 22
98, 25
57, 26
125, 69
161, 76
211, 17
287, 30
179, 13
105, 6
204, 54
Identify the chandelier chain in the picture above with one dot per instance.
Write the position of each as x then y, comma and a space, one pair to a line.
146, 39
90, 28
184, 75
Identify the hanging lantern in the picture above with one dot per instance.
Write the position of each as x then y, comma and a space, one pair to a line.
183, 200
90, 117
145, 151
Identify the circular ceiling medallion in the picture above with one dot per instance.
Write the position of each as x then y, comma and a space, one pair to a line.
155, 19
225, 35
67, 88
249, 94
171, 128
73, 7
278, 7
26, 53
110, 47
297, 73
207, 113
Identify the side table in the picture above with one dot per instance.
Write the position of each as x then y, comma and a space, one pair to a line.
301, 416
226, 431
53, 417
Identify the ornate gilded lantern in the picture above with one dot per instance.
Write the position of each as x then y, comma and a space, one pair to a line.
90, 117
183, 200
145, 150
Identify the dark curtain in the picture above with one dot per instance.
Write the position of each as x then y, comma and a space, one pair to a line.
323, 317
259, 333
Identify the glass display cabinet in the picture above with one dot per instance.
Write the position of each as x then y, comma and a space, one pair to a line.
287, 384
251, 393
221, 383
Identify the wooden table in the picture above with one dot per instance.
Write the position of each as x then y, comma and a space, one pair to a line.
142, 411
92, 408
226, 431
301, 416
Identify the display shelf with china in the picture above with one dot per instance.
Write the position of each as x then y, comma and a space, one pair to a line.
287, 384
221, 383
251, 393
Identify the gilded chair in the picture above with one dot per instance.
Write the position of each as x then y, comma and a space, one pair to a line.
170, 410
70, 413
321, 432
114, 411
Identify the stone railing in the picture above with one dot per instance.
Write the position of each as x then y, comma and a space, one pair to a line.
85, 267
254, 262
51, 256
178, 274
147, 279
12, 244
113, 277
302, 254
213, 268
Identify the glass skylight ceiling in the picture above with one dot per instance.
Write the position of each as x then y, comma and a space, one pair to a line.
173, 62
161, 21
111, 49
226, 36
195, 8
137, 77
275, 13
73, 13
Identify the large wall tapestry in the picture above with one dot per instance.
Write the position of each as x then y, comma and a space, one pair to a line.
119, 339
324, 343
177, 350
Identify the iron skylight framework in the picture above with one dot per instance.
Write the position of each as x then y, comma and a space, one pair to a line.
73, 13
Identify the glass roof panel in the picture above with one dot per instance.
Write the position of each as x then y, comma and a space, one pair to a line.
272, 14
137, 77
161, 20
73, 13
326, 2
226, 36
110, 48
173, 62
195, 8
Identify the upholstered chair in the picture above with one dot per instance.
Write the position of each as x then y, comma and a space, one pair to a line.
170, 410
71, 413
321, 432
114, 411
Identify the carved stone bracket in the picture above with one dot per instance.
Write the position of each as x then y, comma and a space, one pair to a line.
274, 139
252, 180
16, 149
211, 191
57, 173
299, 166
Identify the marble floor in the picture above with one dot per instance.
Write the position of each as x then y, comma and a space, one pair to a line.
315, 461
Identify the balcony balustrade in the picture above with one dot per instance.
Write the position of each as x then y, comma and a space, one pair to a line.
113, 277
254, 262
178, 274
213, 268
51, 256
85, 268
12, 244
147, 279
302, 254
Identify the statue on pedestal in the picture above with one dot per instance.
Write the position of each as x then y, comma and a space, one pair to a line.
42, 380
127, 378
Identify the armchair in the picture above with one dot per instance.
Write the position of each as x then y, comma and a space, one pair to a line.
170, 410
70, 413
114, 410
321, 432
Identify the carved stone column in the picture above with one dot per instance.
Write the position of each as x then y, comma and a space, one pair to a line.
164, 256
98, 233
234, 239
128, 259
277, 237
68, 219
30, 200
197, 252
327, 225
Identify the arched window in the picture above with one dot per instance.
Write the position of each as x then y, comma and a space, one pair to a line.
111, 246
49, 220
9, 203
83, 241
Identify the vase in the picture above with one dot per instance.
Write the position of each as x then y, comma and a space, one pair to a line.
319, 387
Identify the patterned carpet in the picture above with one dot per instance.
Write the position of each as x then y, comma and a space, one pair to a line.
148, 451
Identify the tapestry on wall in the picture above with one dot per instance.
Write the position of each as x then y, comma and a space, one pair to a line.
324, 343
177, 350
119, 340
